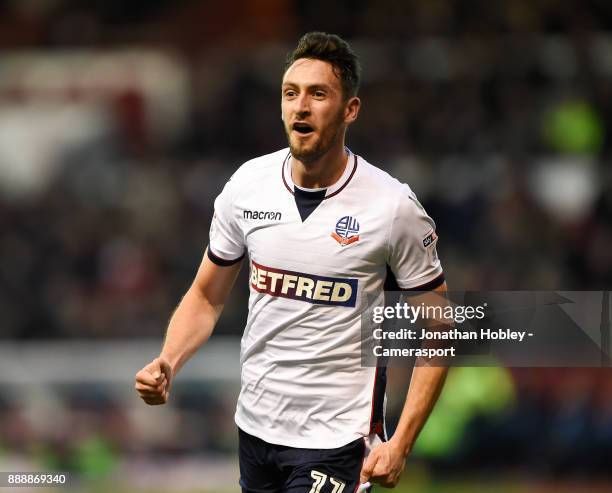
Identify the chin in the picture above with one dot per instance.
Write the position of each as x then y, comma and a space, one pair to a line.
305, 155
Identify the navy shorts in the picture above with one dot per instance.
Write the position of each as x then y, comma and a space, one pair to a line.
269, 468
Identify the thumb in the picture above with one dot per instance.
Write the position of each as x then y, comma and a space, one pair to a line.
368, 467
166, 369
154, 369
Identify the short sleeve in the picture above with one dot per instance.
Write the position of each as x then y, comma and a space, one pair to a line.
226, 246
412, 245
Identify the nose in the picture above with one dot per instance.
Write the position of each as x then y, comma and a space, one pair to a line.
302, 106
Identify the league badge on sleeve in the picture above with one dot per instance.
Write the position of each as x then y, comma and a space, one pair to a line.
429, 243
430, 239
212, 231
347, 231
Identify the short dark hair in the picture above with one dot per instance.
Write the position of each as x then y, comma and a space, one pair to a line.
334, 50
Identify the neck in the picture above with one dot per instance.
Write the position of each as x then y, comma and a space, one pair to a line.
323, 172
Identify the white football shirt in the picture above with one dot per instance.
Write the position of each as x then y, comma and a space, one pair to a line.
302, 383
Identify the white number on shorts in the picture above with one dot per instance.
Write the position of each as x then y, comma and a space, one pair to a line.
338, 485
320, 479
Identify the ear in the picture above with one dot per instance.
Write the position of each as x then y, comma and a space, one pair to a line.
351, 110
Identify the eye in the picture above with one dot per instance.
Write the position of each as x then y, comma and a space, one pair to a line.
319, 94
290, 93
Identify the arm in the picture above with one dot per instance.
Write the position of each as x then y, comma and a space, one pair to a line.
425, 387
386, 463
190, 327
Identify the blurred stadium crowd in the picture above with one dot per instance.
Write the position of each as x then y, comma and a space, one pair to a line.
121, 121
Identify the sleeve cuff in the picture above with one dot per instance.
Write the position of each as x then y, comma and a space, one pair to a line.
428, 286
221, 261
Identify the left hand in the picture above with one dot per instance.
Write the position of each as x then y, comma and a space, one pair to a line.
384, 465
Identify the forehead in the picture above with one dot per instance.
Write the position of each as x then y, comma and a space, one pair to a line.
308, 71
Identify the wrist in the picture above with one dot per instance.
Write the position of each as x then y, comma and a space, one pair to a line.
173, 362
403, 444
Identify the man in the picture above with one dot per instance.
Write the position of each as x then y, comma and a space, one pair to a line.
322, 228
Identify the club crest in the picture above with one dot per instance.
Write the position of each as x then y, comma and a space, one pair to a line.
347, 231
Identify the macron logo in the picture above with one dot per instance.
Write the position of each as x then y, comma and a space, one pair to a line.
271, 215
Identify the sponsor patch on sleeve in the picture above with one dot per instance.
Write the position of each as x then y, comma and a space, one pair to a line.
430, 239
429, 243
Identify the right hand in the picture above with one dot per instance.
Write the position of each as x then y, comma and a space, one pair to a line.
153, 382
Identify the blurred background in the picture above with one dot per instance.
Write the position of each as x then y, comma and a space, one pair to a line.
121, 121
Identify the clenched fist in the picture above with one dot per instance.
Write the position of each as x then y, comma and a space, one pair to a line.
384, 465
153, 382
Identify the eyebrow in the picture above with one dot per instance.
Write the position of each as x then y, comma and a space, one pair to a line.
311, 86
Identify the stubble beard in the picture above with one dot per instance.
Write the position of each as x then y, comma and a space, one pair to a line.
309, 155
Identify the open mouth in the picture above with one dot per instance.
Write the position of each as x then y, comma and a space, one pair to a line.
302, 128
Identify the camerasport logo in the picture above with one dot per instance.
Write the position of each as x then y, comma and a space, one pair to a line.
319, 290
347, 231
